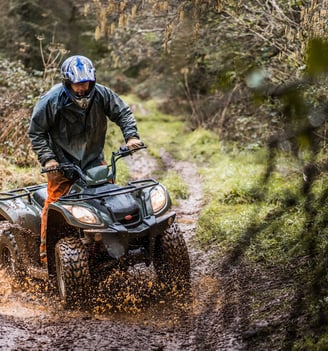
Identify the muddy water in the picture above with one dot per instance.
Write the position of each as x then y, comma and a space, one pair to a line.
148, 321
139, 316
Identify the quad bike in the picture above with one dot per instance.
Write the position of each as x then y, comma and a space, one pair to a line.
97, 227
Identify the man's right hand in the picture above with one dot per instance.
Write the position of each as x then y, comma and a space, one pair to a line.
51, 164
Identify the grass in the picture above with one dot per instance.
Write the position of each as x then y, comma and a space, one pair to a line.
175, 186
240, 198
12, 176
156, 129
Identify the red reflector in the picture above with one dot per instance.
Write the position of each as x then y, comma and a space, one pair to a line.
128, 217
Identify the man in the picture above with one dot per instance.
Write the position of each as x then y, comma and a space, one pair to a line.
69, 124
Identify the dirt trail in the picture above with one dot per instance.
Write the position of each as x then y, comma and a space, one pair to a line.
211, 327
33, 320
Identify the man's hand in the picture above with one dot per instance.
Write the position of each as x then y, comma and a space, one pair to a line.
51, 164
133, 143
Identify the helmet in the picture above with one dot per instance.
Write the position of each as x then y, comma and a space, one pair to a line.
79, 69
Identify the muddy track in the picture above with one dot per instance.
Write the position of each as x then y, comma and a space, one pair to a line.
215, 318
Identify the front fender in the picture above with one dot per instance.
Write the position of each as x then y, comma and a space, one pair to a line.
21, 212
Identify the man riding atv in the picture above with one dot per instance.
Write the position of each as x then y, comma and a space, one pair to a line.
69, 124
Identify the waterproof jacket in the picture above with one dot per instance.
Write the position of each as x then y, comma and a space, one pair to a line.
61, 130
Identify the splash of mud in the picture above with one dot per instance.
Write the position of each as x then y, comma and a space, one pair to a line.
20, 300
137, 292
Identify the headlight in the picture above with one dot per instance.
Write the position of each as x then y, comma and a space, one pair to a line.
158, 198
82, 214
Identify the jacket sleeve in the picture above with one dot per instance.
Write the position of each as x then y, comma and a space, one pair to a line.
120, 113
38, 131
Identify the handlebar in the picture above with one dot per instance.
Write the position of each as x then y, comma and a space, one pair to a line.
73, 171
124, 151
62, 167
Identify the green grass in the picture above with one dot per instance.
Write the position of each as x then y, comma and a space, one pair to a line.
156, 129
239, 199
175, 185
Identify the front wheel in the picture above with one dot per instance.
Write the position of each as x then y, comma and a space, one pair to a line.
72, 269
171, 259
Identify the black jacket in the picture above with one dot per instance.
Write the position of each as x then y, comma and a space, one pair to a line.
61, 130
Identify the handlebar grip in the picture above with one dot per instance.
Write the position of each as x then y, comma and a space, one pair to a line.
124, 149
45, 170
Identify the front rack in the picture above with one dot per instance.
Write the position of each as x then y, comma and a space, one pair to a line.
131, 187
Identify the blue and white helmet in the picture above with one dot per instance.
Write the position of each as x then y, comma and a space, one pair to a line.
79, 69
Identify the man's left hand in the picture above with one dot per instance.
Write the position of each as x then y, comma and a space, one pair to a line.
133, 143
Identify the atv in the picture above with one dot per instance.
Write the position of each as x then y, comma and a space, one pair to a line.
98, 226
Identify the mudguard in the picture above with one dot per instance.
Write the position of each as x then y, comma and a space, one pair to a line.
22, 212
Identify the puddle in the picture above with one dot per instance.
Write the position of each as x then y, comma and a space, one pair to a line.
20, 310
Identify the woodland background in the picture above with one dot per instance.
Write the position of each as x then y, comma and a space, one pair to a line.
252, 72
246, 70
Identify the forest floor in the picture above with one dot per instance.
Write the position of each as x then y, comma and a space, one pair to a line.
234, 305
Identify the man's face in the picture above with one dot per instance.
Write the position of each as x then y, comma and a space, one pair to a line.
80, 89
